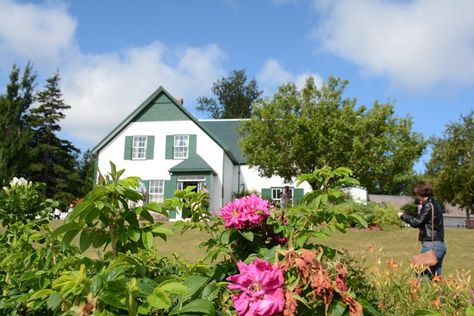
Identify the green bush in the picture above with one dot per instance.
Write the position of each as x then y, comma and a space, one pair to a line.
380, 215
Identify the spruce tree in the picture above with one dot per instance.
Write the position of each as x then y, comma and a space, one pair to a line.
53, 159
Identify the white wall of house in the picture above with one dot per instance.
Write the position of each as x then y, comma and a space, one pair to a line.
158, 167
253, 182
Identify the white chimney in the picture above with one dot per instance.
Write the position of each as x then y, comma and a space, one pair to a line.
180, 100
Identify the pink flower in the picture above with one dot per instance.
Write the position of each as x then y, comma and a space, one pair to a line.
260, 285
248, 211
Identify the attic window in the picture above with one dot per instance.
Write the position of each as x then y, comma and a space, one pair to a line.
139, 147
181, 145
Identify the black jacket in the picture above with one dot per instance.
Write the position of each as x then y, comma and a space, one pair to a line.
424, 222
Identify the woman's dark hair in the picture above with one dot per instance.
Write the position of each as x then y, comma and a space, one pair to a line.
423, 189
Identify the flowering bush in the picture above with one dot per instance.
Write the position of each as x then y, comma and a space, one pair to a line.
22, 200
246, 212
260, 289
399, 292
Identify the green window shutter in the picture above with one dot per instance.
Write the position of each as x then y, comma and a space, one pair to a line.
169, 146
299, 193
128, 148
192, 145
168, 189
267, 193
150, 147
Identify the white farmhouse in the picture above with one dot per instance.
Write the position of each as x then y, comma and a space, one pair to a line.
168, 148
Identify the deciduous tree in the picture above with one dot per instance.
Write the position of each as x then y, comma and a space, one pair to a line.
298, 131
451, 167
234, 97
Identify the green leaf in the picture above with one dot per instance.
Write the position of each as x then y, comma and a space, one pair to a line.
161, 231
86, 239
197, 306
80, 210
147, 239
41, 293
66, 227
247, 234
194, 283
134, 234
369, 308
470, 311
54, 300
337, 308
159, 299
70, 235
145, 215
225, 236
174, 288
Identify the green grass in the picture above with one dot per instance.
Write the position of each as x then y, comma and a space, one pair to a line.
366, 246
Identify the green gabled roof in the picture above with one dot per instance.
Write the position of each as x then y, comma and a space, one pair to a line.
157, 98
226, 132
195, 163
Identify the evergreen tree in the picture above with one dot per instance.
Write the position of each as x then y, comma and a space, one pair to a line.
53, 159
15, 134
86, 172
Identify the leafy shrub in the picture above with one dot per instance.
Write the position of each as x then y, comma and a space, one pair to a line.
409, 208
381, 215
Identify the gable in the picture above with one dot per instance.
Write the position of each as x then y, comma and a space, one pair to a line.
161, 106
161, 109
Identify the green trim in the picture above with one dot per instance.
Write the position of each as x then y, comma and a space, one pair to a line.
150, 147
168, 190
127, 152
169, 146
297, 195
192, 145
160, 109
267, 193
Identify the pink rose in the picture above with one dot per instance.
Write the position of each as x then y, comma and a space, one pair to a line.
260, 289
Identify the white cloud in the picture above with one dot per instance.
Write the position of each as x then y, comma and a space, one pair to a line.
417, 44
273, 74
41, 34
104, 89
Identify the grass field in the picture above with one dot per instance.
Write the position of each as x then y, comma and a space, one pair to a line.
366, 246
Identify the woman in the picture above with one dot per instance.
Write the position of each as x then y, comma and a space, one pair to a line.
431, 229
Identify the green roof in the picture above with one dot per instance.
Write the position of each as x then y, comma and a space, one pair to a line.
225, 131
195, 163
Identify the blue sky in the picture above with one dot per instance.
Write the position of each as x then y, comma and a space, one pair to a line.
113, 54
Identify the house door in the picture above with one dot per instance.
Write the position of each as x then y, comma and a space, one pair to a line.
198, 182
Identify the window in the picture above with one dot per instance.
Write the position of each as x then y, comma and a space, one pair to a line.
276, 194
181, 144
139, 147
156, 191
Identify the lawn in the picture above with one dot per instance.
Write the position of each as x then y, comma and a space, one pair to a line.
366, 246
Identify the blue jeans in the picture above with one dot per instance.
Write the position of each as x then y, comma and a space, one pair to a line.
439, 248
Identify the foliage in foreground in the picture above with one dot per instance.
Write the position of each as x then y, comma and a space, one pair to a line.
264, 261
